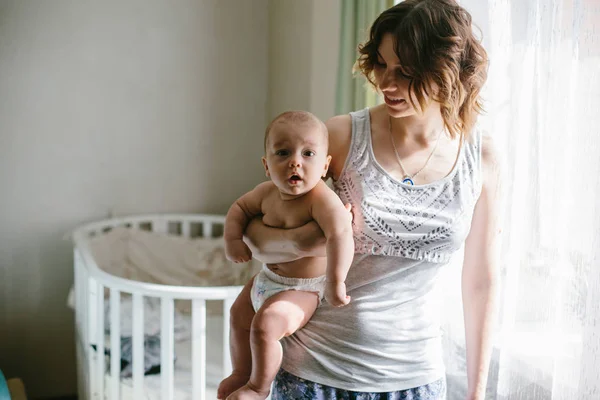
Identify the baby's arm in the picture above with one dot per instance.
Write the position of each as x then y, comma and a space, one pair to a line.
239, 215
333, 218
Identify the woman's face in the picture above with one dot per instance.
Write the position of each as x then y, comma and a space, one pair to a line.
391, 80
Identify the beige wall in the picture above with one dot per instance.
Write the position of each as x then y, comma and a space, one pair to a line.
113, 106
136, 106
325, 51
289, 55
303, 56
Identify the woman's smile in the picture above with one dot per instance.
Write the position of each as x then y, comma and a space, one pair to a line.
390, 101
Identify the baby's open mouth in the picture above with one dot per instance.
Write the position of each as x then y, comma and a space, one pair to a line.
294, 179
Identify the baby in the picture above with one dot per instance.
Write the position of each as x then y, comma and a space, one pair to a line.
284, 296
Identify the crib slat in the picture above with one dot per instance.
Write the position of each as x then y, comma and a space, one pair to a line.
185, 229
198, 349
227, 303
115, 343
91, 321
166, 348
207, 229
160, 226
92, 317
138, 346
99, 337
81, 304
78, 289
82, 307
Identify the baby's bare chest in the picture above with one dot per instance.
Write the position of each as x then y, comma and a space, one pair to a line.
286, 214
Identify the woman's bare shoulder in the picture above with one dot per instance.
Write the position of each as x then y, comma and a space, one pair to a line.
491, 157
340, 124
492, 168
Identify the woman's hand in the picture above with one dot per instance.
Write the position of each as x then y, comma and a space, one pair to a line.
274, 245
308, 240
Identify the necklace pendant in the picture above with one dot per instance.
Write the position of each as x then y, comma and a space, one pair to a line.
408, 180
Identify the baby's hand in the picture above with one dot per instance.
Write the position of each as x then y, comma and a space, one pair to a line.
237, 251
335, 294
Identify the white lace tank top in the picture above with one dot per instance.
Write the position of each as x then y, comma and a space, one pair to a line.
388, 338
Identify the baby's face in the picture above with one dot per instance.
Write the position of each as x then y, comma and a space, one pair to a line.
296, 157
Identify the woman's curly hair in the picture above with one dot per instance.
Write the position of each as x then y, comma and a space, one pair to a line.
435, 44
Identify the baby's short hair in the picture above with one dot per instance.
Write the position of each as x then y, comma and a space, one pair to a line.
297, 117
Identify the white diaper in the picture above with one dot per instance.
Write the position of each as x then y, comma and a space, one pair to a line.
267, 283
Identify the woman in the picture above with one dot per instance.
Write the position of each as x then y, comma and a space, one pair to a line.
422, 181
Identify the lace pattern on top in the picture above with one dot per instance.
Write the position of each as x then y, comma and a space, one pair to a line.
422, 222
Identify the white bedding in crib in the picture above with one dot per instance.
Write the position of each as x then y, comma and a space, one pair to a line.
167, 259
170, 260
183, 368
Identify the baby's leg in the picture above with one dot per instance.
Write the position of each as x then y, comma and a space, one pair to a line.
241, 316
280, 316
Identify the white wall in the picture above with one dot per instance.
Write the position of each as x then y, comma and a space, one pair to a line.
325, 40
113, 106
303, 55
131, 107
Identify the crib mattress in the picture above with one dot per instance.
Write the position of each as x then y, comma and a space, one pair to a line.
183, 369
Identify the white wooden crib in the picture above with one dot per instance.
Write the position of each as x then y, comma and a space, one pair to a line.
94, 382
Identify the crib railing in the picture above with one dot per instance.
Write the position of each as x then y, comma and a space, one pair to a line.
90, 285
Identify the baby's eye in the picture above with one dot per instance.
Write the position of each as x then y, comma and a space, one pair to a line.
282, 153
309, 153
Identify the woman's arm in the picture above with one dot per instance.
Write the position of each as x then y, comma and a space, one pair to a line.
479, 276
275, 245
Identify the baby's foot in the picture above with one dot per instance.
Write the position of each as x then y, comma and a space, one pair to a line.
230, 384
247, 392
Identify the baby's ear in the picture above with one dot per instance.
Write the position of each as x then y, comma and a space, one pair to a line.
264, 161
327, 162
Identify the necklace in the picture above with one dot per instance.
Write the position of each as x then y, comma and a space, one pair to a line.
409, 179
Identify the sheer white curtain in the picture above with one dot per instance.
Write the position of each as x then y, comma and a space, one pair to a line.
543, 103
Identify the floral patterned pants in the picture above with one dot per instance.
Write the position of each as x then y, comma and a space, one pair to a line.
290, 387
